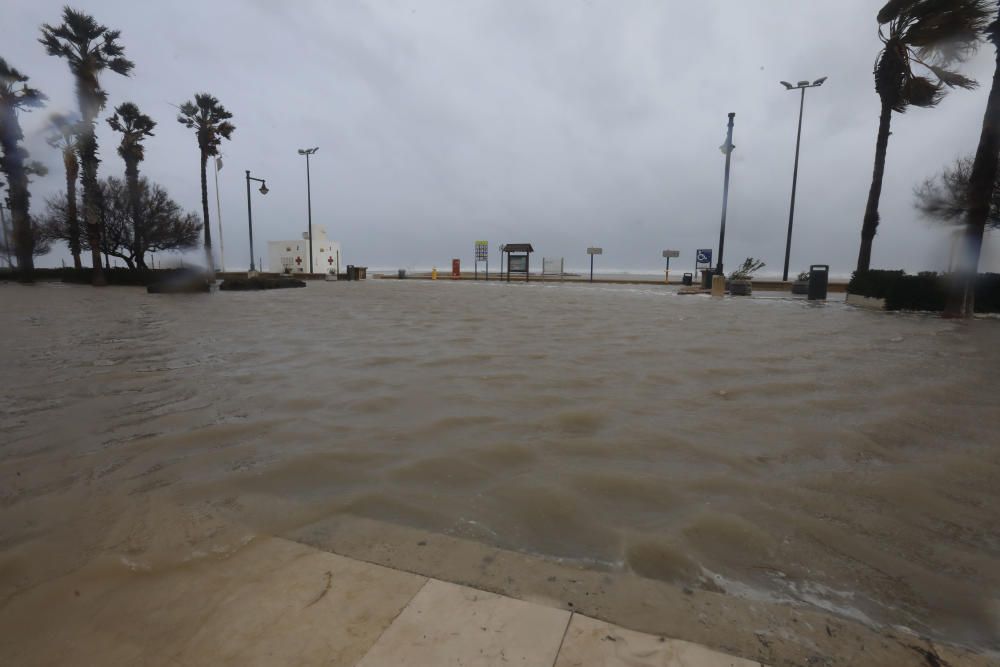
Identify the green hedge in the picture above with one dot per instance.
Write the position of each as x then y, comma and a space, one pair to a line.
924, 291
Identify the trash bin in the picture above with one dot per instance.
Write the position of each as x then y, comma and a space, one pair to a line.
688, 279
402, 274
350, 272
819, 278
706, 278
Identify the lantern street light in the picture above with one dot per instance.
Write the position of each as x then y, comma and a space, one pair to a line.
263, 191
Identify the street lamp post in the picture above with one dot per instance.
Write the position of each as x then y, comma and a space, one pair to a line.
307, 152
726, 148
801, 85
263, 191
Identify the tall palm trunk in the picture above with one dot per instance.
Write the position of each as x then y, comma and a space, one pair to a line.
18, 197
204, 210
91, 204
12, 165
982, 180
138, 224
870, 224
72, 221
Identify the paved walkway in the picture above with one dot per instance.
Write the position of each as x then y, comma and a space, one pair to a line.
278, 602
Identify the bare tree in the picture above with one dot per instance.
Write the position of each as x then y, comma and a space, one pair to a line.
165, 225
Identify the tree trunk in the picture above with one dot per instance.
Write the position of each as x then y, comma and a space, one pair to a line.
88, 164
72, 220
138, 227
12, 165
982, 180
204, 211
870, 224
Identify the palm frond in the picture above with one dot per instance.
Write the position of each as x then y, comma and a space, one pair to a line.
953, 79
893, 9
922, 92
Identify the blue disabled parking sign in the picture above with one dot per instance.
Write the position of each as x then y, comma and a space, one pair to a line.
705, 256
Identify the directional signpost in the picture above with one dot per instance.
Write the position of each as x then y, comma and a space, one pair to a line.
667, 254
592, 252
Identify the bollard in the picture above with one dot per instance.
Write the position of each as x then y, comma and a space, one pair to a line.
718, 285
434, 273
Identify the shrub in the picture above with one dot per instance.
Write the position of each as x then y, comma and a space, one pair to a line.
924, 291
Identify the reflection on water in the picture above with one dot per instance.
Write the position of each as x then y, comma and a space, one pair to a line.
767, 448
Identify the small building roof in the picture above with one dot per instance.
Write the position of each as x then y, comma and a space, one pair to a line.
518, 247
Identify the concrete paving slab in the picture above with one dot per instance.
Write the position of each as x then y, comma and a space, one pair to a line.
272, 602
593, 643
447, 624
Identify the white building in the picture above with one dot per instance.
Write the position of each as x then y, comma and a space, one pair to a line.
293, 256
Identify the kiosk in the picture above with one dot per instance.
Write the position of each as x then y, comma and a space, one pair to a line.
518, 255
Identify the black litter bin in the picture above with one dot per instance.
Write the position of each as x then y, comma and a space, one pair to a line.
819, 279
402, 274
688, 279
706, 278
351, 273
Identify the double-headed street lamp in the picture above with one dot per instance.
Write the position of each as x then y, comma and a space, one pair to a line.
801, 85
263, 191
307, 152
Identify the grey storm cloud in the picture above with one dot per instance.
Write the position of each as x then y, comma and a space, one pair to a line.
561, 123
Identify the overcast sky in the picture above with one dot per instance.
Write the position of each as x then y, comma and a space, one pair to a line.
557, 122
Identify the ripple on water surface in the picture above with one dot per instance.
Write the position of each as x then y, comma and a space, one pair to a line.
762, 447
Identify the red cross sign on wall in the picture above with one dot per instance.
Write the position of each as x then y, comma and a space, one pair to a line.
329, 260
298, 260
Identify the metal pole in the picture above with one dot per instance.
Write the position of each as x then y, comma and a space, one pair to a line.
591, 267
310, 207
795, 181
218, 209
250, 222
725, 193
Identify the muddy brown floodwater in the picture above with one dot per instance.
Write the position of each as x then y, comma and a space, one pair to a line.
770, 449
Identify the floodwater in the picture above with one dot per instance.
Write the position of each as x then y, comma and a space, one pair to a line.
768, 448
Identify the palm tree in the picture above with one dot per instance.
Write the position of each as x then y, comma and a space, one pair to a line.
931, 34
982, 183
89, 48
16, 96
210, 121
134, 126
63, 129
